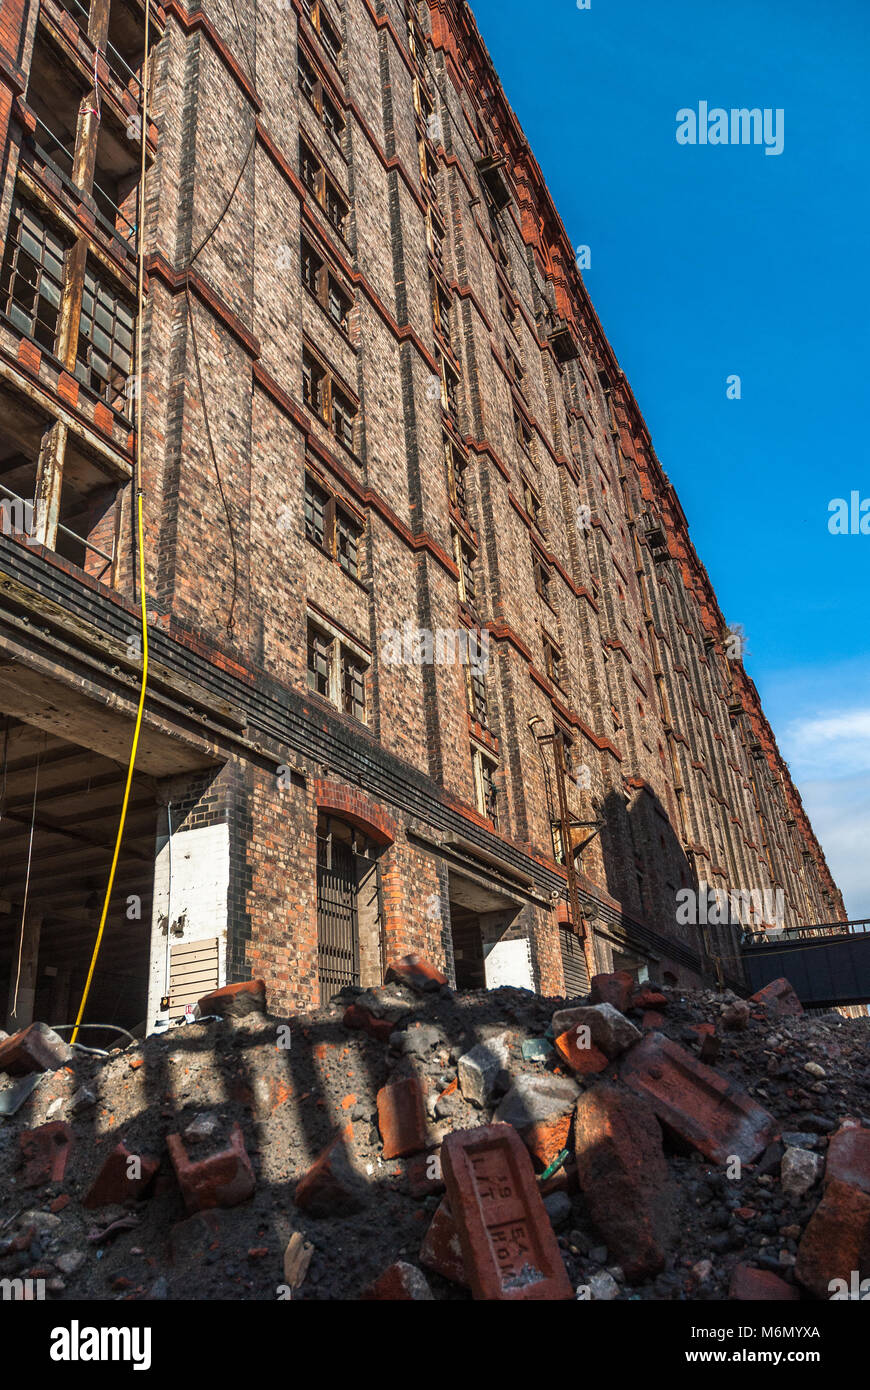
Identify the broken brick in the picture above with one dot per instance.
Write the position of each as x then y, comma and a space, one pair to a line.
509, 1248
44, 1152
836, 1241
402, 1118
615, 989
778, 999
35, 1048
416, 972
116, 1181
441, 1250
652, 1021
623, 1174
750, 1285
647, 998
332, 1186
234, 1001
848, 1157
380, 1029
423, 1175
694, 1103
585, 1061
222, 1180
401, 1282
540, 1107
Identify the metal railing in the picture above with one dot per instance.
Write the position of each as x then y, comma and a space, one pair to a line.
65, 176
777, 937
29, 512
118, 65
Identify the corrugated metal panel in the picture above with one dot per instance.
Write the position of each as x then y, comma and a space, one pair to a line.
573, 964
193, 972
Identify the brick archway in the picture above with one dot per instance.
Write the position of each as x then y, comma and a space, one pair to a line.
351, 805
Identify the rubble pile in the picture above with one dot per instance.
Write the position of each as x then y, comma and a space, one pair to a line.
411, 1142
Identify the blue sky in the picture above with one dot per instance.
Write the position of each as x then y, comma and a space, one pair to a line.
709, 261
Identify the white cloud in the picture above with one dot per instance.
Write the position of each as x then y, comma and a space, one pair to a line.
839, 809
829, 744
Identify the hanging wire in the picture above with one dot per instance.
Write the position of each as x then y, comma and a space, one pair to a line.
27, 882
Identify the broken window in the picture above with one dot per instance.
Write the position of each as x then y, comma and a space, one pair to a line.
465, 558
104, 359
457, 464
324, 284
31, 279
328, 400
553, 661
319, 183
484, 785
332, 527
317, 92
336, 672
478, 704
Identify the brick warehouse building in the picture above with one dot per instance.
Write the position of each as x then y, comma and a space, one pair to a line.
377, 404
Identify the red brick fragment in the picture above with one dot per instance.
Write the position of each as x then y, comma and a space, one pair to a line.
415, 971
222, 1180
332, 1186
401, 1282
380, 1029
441, 1250
44, 1152
652, 1021
423, 1174
508, 1245
115, 1184
778, 999
585, 1061
622, 1171
750, 1285
836, 1242
649, 999
848, 1158
615, 989
35, 1048
696, 1104
402, 1118
234, 1001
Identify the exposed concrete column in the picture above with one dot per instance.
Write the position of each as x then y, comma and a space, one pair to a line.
20, 1015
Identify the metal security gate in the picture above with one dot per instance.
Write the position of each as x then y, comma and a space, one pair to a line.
573, 964
337, 925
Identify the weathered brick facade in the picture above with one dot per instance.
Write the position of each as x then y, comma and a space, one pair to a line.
325, 186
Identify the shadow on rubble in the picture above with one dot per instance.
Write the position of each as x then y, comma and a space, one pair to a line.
290, 1088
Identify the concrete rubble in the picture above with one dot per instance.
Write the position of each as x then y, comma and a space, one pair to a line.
412, 1143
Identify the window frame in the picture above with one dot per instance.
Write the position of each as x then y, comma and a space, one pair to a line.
319, 96
344, 676
485, 790
322, 188
334, 403
326, 283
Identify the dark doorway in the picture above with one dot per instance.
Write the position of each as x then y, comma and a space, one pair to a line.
337, 925
574, 965
467, 949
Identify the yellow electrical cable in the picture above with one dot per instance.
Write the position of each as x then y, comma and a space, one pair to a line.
143, 135
130, 770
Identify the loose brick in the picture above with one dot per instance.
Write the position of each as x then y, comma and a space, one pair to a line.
35, 1048
401, 1282
615, 989
380, 1029
332, 1186
541, 1109
113, 1184
622, 1171
584, 1061
695, 1104
222, 1180
416, 972
44, 1152
234, 1001
836, 1241
402, 1118
778, 999
508, 1246
848, 1157
441, 1250
750, 1285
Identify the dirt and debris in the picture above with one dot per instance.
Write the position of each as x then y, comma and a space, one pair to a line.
699, 1147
